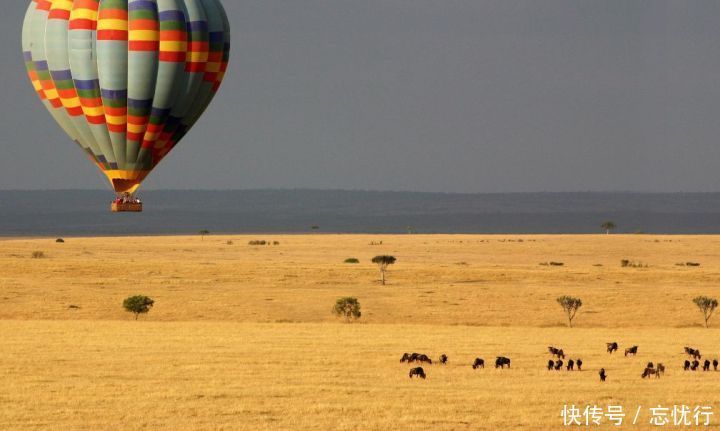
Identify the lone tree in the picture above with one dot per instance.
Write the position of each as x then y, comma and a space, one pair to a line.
571, 306
383, 262
203, 233
138, 305
608, 226
347, 307
707, 306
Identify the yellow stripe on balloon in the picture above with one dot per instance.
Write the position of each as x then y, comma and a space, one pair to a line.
144, 35
112, 24
116, 121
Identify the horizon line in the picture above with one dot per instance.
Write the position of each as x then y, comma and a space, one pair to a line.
310, 189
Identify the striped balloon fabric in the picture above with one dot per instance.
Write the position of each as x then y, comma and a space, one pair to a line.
126, 79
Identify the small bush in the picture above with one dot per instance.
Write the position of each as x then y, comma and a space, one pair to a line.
276, 242
229, 243
37, 254
60, 241
352, 260
138, 305
348, 307
256, 242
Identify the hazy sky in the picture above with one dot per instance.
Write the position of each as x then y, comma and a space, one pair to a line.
443, 95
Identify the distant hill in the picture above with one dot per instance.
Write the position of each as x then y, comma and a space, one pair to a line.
40, 213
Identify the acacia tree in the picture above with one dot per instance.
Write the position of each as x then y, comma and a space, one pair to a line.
348, 308
383, 262
138, 305
203, 233
608, 226
570, 305
707, 306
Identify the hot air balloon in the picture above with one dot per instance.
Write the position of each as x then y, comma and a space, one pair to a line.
126, 79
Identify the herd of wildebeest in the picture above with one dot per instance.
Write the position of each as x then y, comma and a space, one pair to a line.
558, 362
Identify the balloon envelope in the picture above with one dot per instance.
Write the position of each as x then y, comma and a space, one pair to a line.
126, 79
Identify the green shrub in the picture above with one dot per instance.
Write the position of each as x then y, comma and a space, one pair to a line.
347, 307
352, 260
138, 305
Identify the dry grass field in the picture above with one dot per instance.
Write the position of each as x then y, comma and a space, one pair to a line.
242, 337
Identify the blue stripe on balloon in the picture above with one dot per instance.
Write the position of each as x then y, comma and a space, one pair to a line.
89, 84
139, 104
197, 26
172, 15
114, 94
61, 75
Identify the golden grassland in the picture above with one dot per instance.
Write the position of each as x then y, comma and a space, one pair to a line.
242, 337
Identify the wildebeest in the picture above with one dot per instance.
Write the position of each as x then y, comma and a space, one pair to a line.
695, 365
479, 363
501, 361
706, 365
571, 365
612, 347
551, 364
686, 366
695, 353
650, 365
410, 357
417, 372
660, 369
715, 364
558, 364
424, 359
556, 352
631, 351
443, 359
650, 372
579, 364
603, 376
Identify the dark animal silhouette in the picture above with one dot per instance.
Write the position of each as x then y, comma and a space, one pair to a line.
706, 365
556, 352
501, 361
695, 353
551, 364
687, 365
631, 351
650, 365
410, 357
660, 369
443, 359
570, 365
424, 359
479, 363
650, 372
695, 365
603, 376
579, 364
558, 364
715, 364
419, 372
612, 347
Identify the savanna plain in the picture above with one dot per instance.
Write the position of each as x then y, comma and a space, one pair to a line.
242, 337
